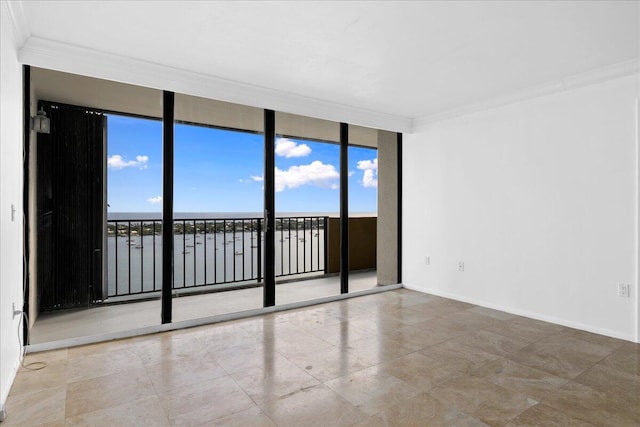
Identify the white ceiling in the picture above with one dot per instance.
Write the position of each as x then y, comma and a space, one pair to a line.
405, 59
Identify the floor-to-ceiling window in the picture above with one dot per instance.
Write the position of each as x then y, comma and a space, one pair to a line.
218, 208
307, 200
225, 160
117, 184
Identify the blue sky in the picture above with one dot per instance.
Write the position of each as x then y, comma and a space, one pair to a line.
218, 170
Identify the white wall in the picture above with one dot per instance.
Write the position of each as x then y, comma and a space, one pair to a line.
539, 199
10, 194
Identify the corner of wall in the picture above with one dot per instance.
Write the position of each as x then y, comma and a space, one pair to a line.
19, 22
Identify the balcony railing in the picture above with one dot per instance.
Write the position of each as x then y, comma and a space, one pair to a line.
210, 252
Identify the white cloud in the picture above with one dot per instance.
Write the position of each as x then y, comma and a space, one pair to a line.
118, 162
370, 175
316, 173
155, 200
288, 148
257, 178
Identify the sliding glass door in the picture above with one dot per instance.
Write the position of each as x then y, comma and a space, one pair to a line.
307, 197
217, 205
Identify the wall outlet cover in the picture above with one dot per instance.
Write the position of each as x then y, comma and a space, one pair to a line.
623, 290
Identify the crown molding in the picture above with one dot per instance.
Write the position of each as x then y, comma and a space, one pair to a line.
19, 22
599, 75
68, 58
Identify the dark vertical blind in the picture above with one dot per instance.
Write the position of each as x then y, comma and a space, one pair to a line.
70, 200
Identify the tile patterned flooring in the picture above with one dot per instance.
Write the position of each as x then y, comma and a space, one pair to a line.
395, 358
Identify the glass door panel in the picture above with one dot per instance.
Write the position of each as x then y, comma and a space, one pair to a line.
218, 205
307, 182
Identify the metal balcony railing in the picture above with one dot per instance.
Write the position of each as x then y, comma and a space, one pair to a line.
209, 252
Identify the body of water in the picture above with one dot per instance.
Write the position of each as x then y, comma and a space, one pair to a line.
134, 263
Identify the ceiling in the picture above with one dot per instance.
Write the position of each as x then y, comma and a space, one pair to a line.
403, 59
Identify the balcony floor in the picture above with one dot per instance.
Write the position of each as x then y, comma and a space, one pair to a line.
55, 326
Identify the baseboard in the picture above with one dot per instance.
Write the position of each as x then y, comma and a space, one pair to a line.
524, 313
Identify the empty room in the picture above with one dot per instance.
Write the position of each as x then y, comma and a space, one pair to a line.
322, 213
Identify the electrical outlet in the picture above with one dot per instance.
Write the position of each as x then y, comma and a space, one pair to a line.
623, 290
461, 266
427, 260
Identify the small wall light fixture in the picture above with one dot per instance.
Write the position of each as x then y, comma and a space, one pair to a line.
41, 123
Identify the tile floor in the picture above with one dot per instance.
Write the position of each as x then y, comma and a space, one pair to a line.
394, 358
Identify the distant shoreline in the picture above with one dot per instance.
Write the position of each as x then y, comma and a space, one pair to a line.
119, 216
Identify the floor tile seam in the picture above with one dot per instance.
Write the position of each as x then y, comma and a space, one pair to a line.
584, 341
536, 369
25, 396
618, 370
512, 337
575, 414
163, 391
590, 366
586, 422
540, 368
598, 387
239, 410
375, 336
450, 405
292, 393
103, 355
484, 380
169, 417
166, 416
119, 372
245, 393
262, 403
476, 348
13, 395
330, 379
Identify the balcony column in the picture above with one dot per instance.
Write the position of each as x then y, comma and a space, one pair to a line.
387, 237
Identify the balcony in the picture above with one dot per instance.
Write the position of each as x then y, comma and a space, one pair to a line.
217, 271
210, 254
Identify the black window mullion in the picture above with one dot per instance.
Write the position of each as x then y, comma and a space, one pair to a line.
269, 291
168, 99
344, 208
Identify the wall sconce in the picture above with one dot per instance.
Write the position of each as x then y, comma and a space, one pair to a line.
41, 123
